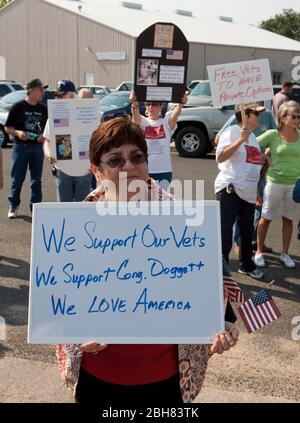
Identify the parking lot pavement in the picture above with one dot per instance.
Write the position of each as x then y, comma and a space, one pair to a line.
263, 367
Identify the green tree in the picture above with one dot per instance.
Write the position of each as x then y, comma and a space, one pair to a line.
4, 3
286, 23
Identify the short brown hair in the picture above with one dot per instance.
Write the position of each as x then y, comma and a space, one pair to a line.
286, 84
114, 133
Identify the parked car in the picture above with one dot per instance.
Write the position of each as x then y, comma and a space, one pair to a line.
192, 84
118, 104
197, 128
199, 96
6, 104
125, 86
7, 87
99, 91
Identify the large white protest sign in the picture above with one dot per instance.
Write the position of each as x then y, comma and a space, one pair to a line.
71, 123
125, 279
240, 83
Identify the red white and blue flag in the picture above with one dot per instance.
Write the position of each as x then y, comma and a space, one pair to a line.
174, 54
259, 311
232, 292
61, 123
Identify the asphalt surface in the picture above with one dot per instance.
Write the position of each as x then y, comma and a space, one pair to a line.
263, 367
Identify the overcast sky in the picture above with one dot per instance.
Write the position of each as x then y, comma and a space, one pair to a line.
245, 11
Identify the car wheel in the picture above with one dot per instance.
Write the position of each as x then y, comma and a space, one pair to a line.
191, 141
3, 137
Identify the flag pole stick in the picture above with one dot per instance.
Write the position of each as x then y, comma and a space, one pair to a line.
271, 283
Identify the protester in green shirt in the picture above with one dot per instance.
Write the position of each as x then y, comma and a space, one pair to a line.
284, 145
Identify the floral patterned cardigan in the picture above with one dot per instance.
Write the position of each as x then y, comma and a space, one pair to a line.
192, 358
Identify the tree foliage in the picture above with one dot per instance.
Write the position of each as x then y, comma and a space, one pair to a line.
4, 3
286, 23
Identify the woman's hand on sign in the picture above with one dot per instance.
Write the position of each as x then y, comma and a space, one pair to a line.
225, 340
92, 347
244, 134
133, 97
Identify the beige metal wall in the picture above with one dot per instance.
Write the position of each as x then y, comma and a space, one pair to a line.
41, 40
14, 40
38, 39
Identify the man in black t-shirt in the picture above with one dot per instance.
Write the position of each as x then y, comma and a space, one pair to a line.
26, 122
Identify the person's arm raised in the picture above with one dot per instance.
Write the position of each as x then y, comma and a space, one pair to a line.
135, 110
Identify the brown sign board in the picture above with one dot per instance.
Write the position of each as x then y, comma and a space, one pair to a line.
161, 60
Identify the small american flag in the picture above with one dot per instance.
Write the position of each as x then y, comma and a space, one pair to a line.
61, 123
174, 54
259, 311
83, 155
232, 292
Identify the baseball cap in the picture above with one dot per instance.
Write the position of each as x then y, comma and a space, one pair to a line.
65, 86
250, 106
35, 83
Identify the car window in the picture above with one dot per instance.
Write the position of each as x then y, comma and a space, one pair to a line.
13, 97
203, 88
115, 100
193, 85
17, 87
99, 91
4, 89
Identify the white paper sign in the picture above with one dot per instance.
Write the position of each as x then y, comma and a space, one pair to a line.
159, 93
71, 123
122, 278
151, 52
240, 83
171, 74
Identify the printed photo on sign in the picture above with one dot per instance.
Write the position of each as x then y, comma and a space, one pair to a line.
174, 55
151, 52
171, 74
164, 35
253, 155
147, 72
63, 147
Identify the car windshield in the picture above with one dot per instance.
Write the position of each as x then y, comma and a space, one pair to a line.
17, 87
114, 100
203, 88
8, 100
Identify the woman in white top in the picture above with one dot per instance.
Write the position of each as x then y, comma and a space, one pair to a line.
158, 134
239, 161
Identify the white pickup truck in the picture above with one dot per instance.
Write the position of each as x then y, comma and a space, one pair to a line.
197, 128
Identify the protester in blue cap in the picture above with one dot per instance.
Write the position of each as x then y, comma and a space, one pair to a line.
69, 188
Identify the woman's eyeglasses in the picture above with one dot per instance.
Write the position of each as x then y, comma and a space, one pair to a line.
136, 159
294, 117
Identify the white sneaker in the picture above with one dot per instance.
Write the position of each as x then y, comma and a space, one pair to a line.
287, 260
259, 260
12, 212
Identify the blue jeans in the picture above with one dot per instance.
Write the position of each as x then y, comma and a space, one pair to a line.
257, 215
24, 156
72, 188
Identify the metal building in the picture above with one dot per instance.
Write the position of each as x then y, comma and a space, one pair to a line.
90, 42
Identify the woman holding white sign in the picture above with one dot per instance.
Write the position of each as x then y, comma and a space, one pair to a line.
158, 134
239, 161
135, 374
